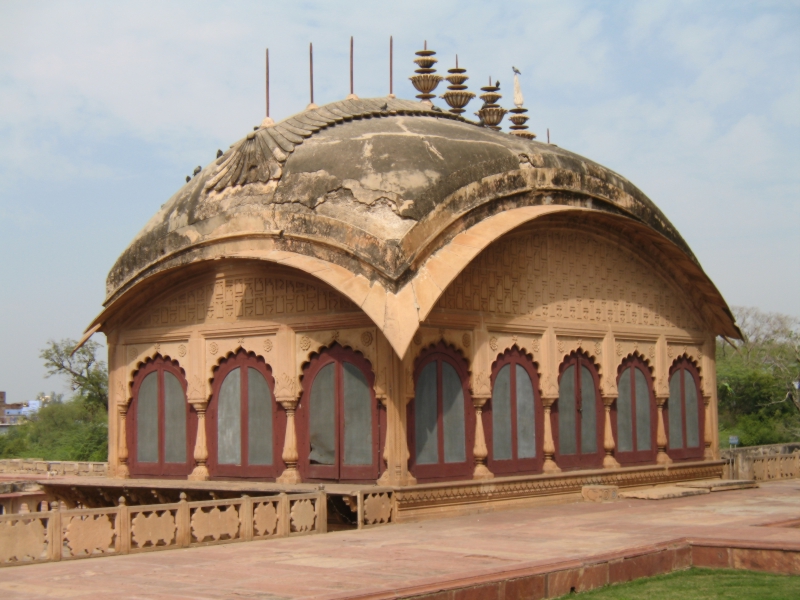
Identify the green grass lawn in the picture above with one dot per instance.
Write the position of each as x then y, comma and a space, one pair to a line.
704, 584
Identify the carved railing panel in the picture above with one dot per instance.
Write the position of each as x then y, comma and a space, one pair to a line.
216, 523
153, 526
779, 466
266, 518
24, 538
375, 507
89, 532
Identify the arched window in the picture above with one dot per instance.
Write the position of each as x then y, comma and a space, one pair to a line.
441, 418
513, 418
243, 419
685, 414
340, 431
635, 413
579, 414
161, 424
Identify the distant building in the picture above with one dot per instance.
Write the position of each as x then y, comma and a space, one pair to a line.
10, 414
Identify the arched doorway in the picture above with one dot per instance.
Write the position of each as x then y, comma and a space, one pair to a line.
441, 418
513, 417
245, 427
339, 421
685, 412
635, 413
161, 425
578, 414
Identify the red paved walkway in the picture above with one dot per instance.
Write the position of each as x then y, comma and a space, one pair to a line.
399, 556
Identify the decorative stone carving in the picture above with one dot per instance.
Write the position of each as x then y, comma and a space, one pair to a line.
285, 386
303, 515
557, 274
417, 338
600, 493
21, 540
86, 534
366, 338
305, 343
215, 523
150, 529
182, 350
377, 508
493, 343
267, 345
233, 298
133, 352
265, 519
466, 339
483, 385
213, 347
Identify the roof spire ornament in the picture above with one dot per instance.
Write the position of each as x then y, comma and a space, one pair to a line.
491, 113
457, 96
518, 117
426, 80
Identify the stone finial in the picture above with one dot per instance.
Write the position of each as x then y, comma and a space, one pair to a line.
518, 117
457, 95
491, 113
426, 80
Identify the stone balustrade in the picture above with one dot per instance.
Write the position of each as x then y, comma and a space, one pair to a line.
763, 463
92, 532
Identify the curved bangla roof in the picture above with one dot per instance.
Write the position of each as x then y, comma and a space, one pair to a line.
387, 200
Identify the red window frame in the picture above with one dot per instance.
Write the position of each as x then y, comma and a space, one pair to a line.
442, 470
516, 359
159, 365
580, 460
688, 368
243, 360
339, 471
636, 456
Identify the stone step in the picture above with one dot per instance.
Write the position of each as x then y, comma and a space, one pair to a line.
663, 492
720, 485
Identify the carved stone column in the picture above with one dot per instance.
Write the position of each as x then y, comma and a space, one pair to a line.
550, 465
200, 471
480, 452
609, 462
290, 455
661, 437
708, 453
122, 441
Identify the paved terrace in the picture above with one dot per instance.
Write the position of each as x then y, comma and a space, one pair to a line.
429, 555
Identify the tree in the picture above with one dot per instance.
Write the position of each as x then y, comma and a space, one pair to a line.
88, 376
756, 378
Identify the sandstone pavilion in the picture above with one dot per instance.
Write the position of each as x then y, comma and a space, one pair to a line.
381, 292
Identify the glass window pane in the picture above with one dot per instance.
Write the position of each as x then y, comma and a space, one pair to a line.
322, 421
229, 420
624, 413
567, 444
588, 413
501, 415
147, 420
357, 417
526, 419
674, 411
174, 420
643, 416
692, 412
259, 419
455, 444
426, 429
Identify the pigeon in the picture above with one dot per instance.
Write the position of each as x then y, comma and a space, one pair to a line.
219, 153
188, 179
436, 109
197, 170
255, 128
516, 71
497, 84
385, 107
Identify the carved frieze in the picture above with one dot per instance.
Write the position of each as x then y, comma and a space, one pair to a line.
570, 276
229, 299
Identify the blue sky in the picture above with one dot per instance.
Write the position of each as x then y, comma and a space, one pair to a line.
106, 107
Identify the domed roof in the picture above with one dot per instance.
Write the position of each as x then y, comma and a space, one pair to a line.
377, 186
